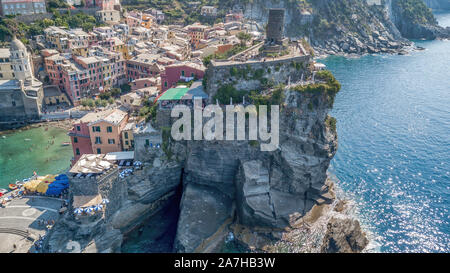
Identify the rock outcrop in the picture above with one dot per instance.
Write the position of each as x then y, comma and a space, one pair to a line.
235, 180
227, 186
354, 26
416, 21
336, 27
344, 236
133, 200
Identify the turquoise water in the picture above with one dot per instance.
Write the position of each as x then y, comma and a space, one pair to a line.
23, 152
393, 159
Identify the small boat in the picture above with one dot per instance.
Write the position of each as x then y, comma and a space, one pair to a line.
65, 144
19, 183
13, 187
3, 191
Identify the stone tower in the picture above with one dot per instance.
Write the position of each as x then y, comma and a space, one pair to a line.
275, 26
20, 60
21, 97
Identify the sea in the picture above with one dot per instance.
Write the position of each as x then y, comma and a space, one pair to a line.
39, 150
393, 158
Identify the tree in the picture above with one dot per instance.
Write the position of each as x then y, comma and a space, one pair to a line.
243, 37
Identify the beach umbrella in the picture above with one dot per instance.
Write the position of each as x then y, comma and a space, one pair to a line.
89, 210
78, 211
105, 201
99, 207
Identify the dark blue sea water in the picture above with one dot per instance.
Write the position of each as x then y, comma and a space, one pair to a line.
393, 159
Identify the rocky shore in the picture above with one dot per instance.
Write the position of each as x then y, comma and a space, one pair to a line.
61, 124
353, 27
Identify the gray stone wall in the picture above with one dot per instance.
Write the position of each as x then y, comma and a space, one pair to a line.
33, 17
276, 70
15, 106
144, 152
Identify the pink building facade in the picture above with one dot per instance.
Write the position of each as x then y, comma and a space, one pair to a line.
180, 72
81, 140
102, 4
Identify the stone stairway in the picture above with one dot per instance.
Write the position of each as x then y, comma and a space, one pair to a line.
19, 232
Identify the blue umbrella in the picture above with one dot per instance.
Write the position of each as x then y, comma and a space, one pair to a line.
89, 210
98, 207
78, 211
137, 163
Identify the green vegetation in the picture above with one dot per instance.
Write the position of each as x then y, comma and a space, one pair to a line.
243, 37
276, 97
149, 110
278, 54
298, 66
253, 143
187, 84
241, 72
54, 4
307, 47
224, 93
183, 11
330, 122
330, 86
125, 88
10, 25
90, 103
223, 56
415, 11
113, 93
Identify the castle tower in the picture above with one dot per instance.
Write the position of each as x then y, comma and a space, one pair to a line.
275, 26
20, 60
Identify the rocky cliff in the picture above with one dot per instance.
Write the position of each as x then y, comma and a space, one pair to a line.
228, 187
335, 27
416, 21
354, 26
239, 183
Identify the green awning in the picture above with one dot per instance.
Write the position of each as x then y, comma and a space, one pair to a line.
173, 94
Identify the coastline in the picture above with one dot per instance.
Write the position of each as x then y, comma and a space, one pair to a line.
65, 124
403, 51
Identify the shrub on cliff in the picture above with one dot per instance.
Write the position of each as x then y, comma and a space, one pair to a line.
328, 86
224, 93
330, 122
415, 11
